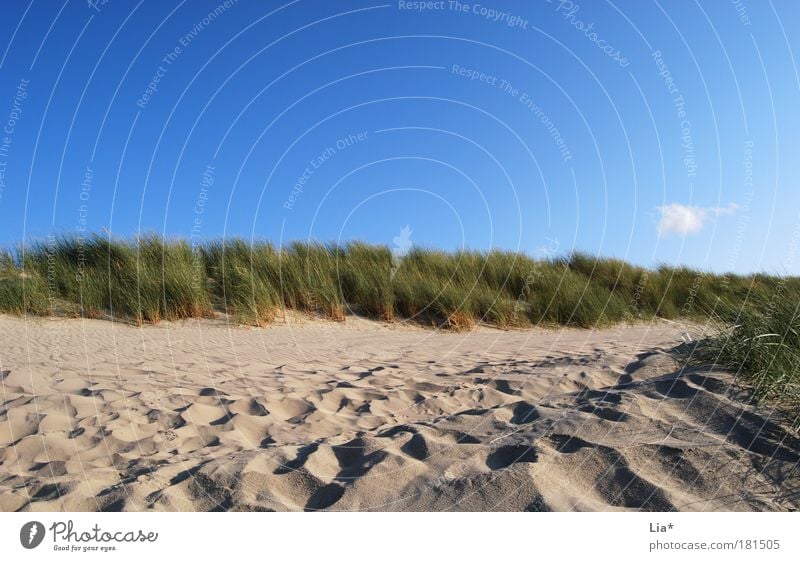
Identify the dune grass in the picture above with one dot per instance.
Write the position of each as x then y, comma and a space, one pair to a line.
21, 293
149, 279
145, 280
759, 340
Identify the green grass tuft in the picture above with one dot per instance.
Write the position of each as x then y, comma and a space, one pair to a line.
759, 340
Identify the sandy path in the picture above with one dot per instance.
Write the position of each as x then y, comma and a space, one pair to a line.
196, 416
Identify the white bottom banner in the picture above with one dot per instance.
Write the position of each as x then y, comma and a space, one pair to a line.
400, 536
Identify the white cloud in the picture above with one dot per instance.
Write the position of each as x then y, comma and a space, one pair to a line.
683, 219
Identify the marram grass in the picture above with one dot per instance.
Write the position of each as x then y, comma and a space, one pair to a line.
760, 342
149, 279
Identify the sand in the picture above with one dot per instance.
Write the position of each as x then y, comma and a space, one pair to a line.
200, 415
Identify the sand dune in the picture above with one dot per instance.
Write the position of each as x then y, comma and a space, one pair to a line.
367, 416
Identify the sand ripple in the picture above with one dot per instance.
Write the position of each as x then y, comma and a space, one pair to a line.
196, 416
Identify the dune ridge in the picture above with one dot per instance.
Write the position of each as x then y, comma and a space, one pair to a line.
197, 415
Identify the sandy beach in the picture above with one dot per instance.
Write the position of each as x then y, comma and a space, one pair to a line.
361, 415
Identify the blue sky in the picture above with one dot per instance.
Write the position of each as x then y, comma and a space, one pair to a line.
651, 131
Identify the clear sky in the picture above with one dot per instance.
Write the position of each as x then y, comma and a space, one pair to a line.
648, 130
